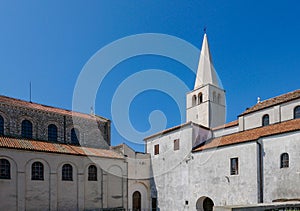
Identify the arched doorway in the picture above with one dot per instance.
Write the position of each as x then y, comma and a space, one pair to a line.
136, 201
204, 204
208, 204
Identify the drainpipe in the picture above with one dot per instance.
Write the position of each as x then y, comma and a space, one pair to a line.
260, 173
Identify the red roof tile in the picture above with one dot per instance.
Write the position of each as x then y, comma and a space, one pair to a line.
251, 135
41, 146
227, 125
22, 103
273, 101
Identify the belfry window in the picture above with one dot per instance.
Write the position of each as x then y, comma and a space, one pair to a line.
194, 100
75, 136
37, 171
214, 96
265, 120
219, 98
297, 112
1, 126
4, 169
67, 172
200, 98
284, 160
92, 173
52, 132
26, 129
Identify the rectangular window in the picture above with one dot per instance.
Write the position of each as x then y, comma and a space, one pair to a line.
176, 144
234, 166
156, 149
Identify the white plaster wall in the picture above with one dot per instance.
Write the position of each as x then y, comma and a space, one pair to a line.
287, 109
144, 189
217, 115
199, 114
93, 189
37, 191
278, 113
138, 175
170, 168
225, 131
254, 120
209, 175
8, 187
279, 182
22, 193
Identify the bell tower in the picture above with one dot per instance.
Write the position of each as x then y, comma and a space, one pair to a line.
206, 104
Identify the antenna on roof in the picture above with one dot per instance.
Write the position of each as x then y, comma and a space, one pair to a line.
30, 91
204, 29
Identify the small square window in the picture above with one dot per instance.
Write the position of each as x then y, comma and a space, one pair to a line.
156, 149
176, 144
234, 166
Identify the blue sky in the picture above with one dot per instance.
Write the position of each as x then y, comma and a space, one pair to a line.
254, 44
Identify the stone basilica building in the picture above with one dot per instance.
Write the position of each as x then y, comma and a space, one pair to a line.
56, 159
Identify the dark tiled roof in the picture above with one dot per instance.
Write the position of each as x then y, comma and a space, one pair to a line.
41, 146
251, 135
22, 103
273, 101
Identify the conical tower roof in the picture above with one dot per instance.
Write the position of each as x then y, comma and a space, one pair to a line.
206, 73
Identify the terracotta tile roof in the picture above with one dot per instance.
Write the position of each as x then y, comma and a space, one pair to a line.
22, 103
273, 101
174, 128
251, 135
41, 146
227, 125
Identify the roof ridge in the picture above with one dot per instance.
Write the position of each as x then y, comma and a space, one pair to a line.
69, 112
292, 95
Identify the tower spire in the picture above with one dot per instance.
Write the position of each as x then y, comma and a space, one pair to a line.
206, 73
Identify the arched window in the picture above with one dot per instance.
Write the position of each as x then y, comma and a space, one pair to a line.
37, 171
297, 112
52, 132
284, 160
265, 120
67, 172
219, 98
214, 96
1, 126
75, 136
194, 100
136, 201
92, 173
4, 169
26, 129
200, 98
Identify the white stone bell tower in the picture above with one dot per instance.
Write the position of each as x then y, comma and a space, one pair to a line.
205, 105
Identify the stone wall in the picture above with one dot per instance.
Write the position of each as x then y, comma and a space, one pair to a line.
93, 131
